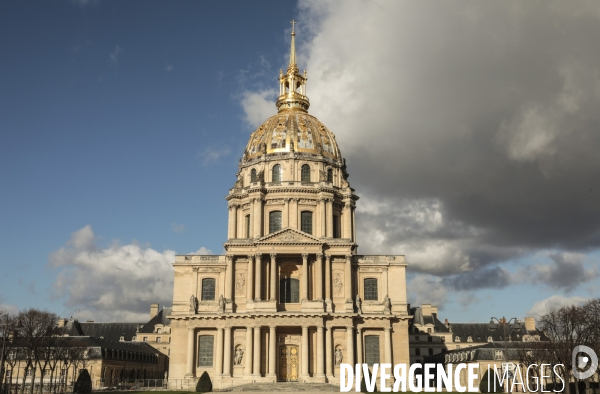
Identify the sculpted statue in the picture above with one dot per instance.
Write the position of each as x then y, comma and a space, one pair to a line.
193, 304
239, 356
358, 303
338, 356
387, 305
221, 304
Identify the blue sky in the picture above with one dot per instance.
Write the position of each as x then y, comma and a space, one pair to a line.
121, 126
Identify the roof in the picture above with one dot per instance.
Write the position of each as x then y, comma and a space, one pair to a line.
480, 332
420, 319
483, 352
160, 318
112, 331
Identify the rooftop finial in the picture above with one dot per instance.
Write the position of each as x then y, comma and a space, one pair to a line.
293, 45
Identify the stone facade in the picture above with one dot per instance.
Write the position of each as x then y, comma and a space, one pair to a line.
291, 299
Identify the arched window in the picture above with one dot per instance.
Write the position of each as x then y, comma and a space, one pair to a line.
371, 289
289, 290
253, 177
305, 174
276, 173
205, 351
329, 175
372, 349
274, 221
417, 352
208, 289
306, 221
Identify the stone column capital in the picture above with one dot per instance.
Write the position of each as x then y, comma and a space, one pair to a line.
229, 257
250, 257
195, 269
304, 256
273, 256
387, 329
328, 257
348, 257
258, 255
320, 255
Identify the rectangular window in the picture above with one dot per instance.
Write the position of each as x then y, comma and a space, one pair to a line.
336, 227
371, 289
274, 221
208, 289
158, 339
306, 222
205, 351
498, 355
145, 339
247, 226
372, 349
8, 374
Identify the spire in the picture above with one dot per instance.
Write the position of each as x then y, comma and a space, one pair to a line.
293, 45
292, 85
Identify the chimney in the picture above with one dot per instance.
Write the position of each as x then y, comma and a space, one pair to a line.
529, 323
434, 310
426, 309
61, 323
446, 322
153, 310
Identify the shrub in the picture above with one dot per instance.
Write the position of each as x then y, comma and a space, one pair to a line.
204, 384
83, 385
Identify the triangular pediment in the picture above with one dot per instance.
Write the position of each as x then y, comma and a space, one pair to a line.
289, 235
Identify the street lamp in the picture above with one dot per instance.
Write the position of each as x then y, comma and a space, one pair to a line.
512, 325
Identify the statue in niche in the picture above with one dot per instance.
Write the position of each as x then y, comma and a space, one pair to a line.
387, 305
239, 356
358, 303
193, 304
338, 356
221, 304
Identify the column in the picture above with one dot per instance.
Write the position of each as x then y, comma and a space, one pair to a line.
227, 352
329, 351
348, 284
322, 216
359, 346
248, 352
258, 283
286, 212
304, 289
329, 218
232, 221
257, 218
252, 232
347, 229
229, 277
353, 224
294, 213
384, 279
219, 366
388, 345
350, 345
304, 372
327, 277
273, 276
190, 352
272, 352
256, 368
320, 351
250, 279
319, 281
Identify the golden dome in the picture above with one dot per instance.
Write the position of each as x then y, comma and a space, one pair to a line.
292, 131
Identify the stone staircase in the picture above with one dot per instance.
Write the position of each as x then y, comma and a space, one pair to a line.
295, 387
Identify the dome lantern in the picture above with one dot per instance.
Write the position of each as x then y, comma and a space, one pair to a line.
292, 85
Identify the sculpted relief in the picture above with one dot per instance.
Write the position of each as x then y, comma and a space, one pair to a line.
338, 284
240, 283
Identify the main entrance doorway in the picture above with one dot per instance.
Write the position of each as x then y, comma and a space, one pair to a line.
288, 363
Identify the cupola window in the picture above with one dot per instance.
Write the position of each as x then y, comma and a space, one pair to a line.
306, 221
274, 221
276, 173
329, 175
253, 177
305, 174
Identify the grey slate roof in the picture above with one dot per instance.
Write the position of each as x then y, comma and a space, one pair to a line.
160, 318
480, 332
418, 318
112, 331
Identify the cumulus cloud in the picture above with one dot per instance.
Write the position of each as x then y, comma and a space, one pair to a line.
11, 309
258, 106
115, 282
556, 301
566, 272
427, 289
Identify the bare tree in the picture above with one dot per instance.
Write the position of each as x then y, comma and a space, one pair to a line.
7, 322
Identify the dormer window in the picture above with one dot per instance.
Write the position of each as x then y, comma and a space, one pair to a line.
457, 339
305, 173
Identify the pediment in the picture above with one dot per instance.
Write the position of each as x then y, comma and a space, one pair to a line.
289, 235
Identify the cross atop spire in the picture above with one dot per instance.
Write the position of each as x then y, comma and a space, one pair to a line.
293, 45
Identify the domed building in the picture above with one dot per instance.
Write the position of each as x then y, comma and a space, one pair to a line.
291, 299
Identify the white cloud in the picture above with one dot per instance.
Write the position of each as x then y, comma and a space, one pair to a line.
114, 56
117, 282
211, 154
427, 289
556, 301
202, 250
258, 106
566, 272
178, 227
9, 308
